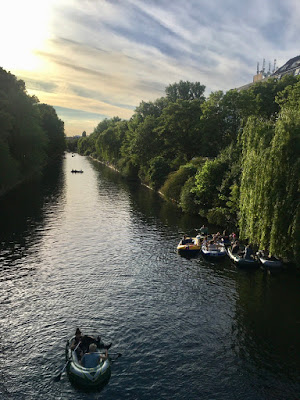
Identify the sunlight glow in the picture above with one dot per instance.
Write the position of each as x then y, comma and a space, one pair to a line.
23, 29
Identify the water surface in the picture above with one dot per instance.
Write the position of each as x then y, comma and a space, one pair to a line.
93, 251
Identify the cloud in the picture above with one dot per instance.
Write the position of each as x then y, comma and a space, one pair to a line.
106, 56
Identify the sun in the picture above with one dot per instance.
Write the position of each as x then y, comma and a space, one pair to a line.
24, 28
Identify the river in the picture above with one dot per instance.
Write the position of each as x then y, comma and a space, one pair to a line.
94, 251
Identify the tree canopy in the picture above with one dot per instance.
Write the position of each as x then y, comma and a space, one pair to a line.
30, 133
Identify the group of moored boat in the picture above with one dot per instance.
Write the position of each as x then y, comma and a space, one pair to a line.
217, 247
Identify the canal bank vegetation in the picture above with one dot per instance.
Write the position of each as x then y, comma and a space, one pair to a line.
231, 157
31, 134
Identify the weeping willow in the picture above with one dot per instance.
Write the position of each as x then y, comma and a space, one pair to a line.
270, 183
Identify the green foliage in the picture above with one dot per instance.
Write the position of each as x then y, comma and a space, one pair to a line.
23, 140
176, 180
179, 130
185, 91
9, 173
142, 141
188, 197
290, 96
265, 93
219, 216
207, 181
109, 141
71, 144
269, 193
158, 170
54, 129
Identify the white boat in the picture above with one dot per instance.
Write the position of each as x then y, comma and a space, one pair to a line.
213, 250
240, 261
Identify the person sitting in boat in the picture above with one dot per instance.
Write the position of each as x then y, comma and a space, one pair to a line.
205, 242
77, 339
233, 236
216, 237
248, 252
85, 342
236, 247
93, 358
203, 230
225, 237
263, 253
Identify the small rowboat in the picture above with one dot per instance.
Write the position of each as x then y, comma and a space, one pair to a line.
88, 378
189, 245
213, 250
240, 261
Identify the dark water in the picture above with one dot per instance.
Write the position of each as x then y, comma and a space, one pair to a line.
93, 251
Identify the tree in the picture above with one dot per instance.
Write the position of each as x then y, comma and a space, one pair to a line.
54, 129
270, 184
180, 132
185, 91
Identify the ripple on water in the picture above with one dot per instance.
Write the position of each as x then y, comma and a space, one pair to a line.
100, 254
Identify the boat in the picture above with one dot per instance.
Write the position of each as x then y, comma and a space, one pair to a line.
240, 261
189, 245
88, 378
268, 262
77, 171
213, 250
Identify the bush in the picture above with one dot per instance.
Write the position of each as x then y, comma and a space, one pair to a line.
173, 185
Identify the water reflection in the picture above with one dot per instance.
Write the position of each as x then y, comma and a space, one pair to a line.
23, 215
267, 311
103, 254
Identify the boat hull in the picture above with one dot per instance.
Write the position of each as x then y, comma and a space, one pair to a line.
270, 263
241, 261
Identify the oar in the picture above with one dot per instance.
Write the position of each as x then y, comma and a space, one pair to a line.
57, 378
118, 356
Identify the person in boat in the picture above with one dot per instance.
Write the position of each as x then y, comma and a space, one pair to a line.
217, 237
77, 339
93, 358
203, 230
205, 242
248, 255
233, 236
225, 237
263, 253
85, 342
236, 247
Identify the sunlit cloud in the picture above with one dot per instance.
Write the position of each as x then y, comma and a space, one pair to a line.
101, 58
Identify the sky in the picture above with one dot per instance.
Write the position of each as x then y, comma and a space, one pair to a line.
96, 59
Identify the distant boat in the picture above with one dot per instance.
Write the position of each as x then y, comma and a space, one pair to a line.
76, 171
